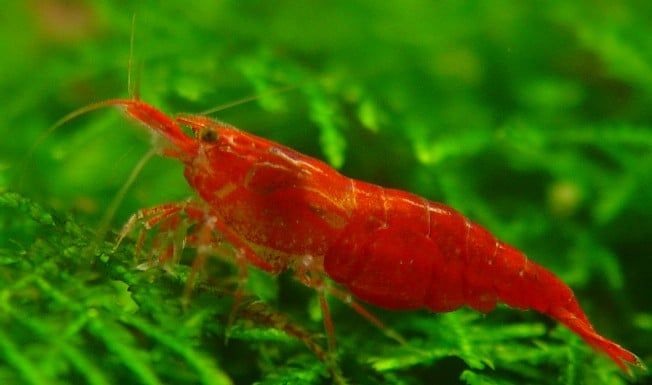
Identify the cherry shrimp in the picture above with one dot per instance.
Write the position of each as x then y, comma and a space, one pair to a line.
282, 210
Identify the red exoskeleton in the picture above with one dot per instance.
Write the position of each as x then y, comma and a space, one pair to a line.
284, 210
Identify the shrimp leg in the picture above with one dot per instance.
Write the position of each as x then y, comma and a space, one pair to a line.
166, 215
347, 299
148, 217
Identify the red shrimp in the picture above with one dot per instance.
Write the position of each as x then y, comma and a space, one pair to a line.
396, 250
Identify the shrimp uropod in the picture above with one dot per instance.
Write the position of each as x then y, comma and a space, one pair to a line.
282, 210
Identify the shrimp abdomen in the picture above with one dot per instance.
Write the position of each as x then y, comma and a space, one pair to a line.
521, 283
403, 252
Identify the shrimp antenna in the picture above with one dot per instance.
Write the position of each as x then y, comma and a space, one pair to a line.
133, 85
67, 118
75, 114
252, 98
105, 223
133, 89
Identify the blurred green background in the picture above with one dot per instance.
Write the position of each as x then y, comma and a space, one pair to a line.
532, 119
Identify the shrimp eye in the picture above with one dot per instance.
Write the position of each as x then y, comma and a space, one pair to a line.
208, 135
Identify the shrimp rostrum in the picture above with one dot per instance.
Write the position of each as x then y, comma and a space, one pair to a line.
284, 210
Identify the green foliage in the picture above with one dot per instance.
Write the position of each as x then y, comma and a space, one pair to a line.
531, 119
63, 296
